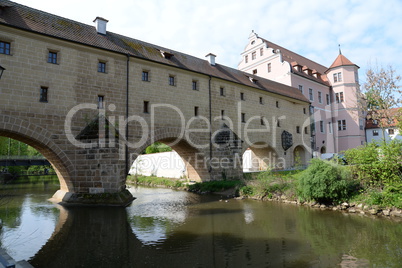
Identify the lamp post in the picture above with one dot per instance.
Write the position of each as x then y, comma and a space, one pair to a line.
1, 70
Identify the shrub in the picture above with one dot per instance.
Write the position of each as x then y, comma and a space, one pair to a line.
325, 182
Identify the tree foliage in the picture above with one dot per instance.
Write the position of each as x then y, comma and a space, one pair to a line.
157, 147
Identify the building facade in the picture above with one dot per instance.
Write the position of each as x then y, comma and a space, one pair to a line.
384, 131
333, 91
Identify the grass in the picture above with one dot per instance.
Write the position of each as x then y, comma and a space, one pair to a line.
156, 181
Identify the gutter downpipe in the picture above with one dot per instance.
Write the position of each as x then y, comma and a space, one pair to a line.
127, 114
210, 128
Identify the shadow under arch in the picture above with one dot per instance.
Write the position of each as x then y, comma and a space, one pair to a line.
262, 157
40, 139
194, 158
299, 156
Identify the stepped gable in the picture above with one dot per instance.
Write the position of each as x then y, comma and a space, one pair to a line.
22, 17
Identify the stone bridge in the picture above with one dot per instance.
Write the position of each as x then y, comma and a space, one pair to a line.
91, 100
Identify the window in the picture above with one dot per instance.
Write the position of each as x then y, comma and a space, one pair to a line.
242, 96
101, 102
356, 77
195, 110
297, 129
222, 114
243, 117
341, 124
337, 77
322, 126
253, 55
301, 88
5, 48
172, 81
329, 127
262, 121
269, 67
304, 110
375, 122
255, 71
145, 75
101, 67
278, 123
262, 51
52, 57
375, 132
391, 131
310, 93
319, 97
261, 100
146, 107
222, 91
246, 58
277, 104
305, 130
43, 94
341, 99
328, 100
195, 85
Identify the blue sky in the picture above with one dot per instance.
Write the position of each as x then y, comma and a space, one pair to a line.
369, 31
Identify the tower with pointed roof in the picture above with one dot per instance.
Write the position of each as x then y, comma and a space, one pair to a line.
335, 125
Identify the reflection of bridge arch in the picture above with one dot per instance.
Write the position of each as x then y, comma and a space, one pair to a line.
193, 158
264, 157
40, 139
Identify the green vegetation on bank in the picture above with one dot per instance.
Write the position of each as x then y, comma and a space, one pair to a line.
155, 181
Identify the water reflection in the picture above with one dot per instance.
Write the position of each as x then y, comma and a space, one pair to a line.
165, 228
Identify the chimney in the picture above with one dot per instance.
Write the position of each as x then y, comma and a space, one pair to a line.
211, 58
101, 25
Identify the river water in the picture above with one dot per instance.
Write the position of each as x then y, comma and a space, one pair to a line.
166, 228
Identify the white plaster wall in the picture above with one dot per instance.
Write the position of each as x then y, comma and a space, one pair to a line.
370, 137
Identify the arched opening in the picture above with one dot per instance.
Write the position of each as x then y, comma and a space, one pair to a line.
299, 156
184, 161
40, 140
323, 150
259, 157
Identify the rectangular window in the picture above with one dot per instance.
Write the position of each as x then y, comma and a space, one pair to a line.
337, 97
301, 88
341, 124
341, 99
310, 93
194, 85
305, 130
262, 121
277, 104
52, 57
322, 126
145, 76
262, 51
329, 127
328, 100
278, 123
146, 107
246, 58
253, 55
171, 80
43, 94
195, 110
269, 67
391, 131
319, 97
101, 67
297, 129
255, 71
261, 100
101, 102
222, 114
242, 96
335, 78
5, 48
304, 110
222, 91
375, 132
243, 117
339, 77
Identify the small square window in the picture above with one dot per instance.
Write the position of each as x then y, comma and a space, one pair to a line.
391, 131
43, 94
5, 48
195, 85
195, 110
261, 100
375, 132
301, 88
145, 76
102, 67
52, 57
172, 81
101, 102
146, 107
243, 117
242, 96
297, 129
255, 71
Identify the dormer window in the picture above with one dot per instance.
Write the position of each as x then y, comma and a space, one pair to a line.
166, 54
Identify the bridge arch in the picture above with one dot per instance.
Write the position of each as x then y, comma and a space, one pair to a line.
262, 157
185, 145
40, 139
299, 156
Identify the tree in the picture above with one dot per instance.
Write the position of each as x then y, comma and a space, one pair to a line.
381, 94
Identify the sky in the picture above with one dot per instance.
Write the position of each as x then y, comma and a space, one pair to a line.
369, 32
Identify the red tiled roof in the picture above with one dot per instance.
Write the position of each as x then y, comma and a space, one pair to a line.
22, 17
393, 112
341, 61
